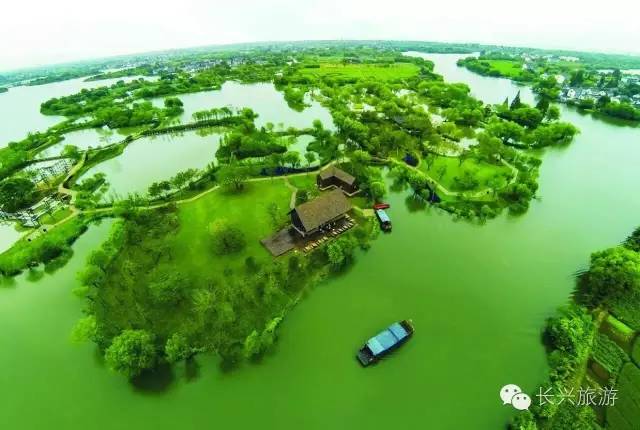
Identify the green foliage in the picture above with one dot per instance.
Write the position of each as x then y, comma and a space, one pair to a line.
635, 353
625, 413
54, 245
177, 348
340, 252
232, 176
610, 356
570, 331
131, 352
633, 241
16, 193
613, 275
226, 238
85, 329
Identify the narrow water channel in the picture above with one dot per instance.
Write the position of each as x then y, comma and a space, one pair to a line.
478, 295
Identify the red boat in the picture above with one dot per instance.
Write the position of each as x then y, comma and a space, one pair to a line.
381, 206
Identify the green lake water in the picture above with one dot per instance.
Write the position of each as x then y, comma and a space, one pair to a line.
20, 106
263, 98
155, 158
478, 296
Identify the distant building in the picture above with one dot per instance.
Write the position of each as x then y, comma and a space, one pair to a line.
333, 177
310, 217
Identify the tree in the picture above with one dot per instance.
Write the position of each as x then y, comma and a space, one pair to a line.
507, 131
292, 158
633, 242
182, 178
71, 151
177, 348
612, 275
553, 113
253, 345
131, 352
543, 104
226, 237
16, 194
310, 156
516, 103
232, 176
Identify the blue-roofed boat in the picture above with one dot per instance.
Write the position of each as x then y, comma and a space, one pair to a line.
384, 342
385, 221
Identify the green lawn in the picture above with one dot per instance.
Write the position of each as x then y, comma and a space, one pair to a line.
56, 216
247, 210
483, 172
507, 68
375, 71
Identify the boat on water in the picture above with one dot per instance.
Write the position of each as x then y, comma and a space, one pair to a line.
385, 342
385, 221
381, 206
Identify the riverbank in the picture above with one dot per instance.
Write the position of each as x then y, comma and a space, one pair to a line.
428, 267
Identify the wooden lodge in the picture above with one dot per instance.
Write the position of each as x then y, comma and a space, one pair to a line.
333, 177
317, 214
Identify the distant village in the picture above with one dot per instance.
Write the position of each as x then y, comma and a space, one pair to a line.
577, 93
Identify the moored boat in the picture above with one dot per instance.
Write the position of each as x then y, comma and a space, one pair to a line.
385, 221
384, 342
381, 206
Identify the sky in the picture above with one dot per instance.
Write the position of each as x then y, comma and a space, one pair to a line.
54, 31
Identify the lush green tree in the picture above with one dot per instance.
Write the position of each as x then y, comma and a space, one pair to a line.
507, 131
556, 133
310, 156
253, 345
553, 113
182, 178
226, 237
131, 352
71, 151
570, 331
633, 241
177, 348
232, 176
16, 193
516, 103
168, 288
612, 275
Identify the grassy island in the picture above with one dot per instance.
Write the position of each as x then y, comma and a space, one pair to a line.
184, 270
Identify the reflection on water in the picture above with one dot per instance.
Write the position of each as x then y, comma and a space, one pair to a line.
263, 98
21, 106
156, 158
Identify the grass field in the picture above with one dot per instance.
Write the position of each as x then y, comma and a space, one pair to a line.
506, 68
374, 71
56, 216
483, 172
247, 210
44, 248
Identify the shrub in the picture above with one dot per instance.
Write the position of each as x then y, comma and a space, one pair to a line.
226, 237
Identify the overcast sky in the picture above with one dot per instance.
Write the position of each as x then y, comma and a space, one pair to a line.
53, 31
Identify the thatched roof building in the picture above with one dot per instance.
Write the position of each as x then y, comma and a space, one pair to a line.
309, 217
333, 177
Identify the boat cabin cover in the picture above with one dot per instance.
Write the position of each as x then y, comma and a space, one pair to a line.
310, 216
387, 339
383, 217
335, 177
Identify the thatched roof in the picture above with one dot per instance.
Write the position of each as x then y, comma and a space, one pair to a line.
323, 209
333, 171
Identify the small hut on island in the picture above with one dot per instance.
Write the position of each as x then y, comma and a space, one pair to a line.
333, 177
312, 216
